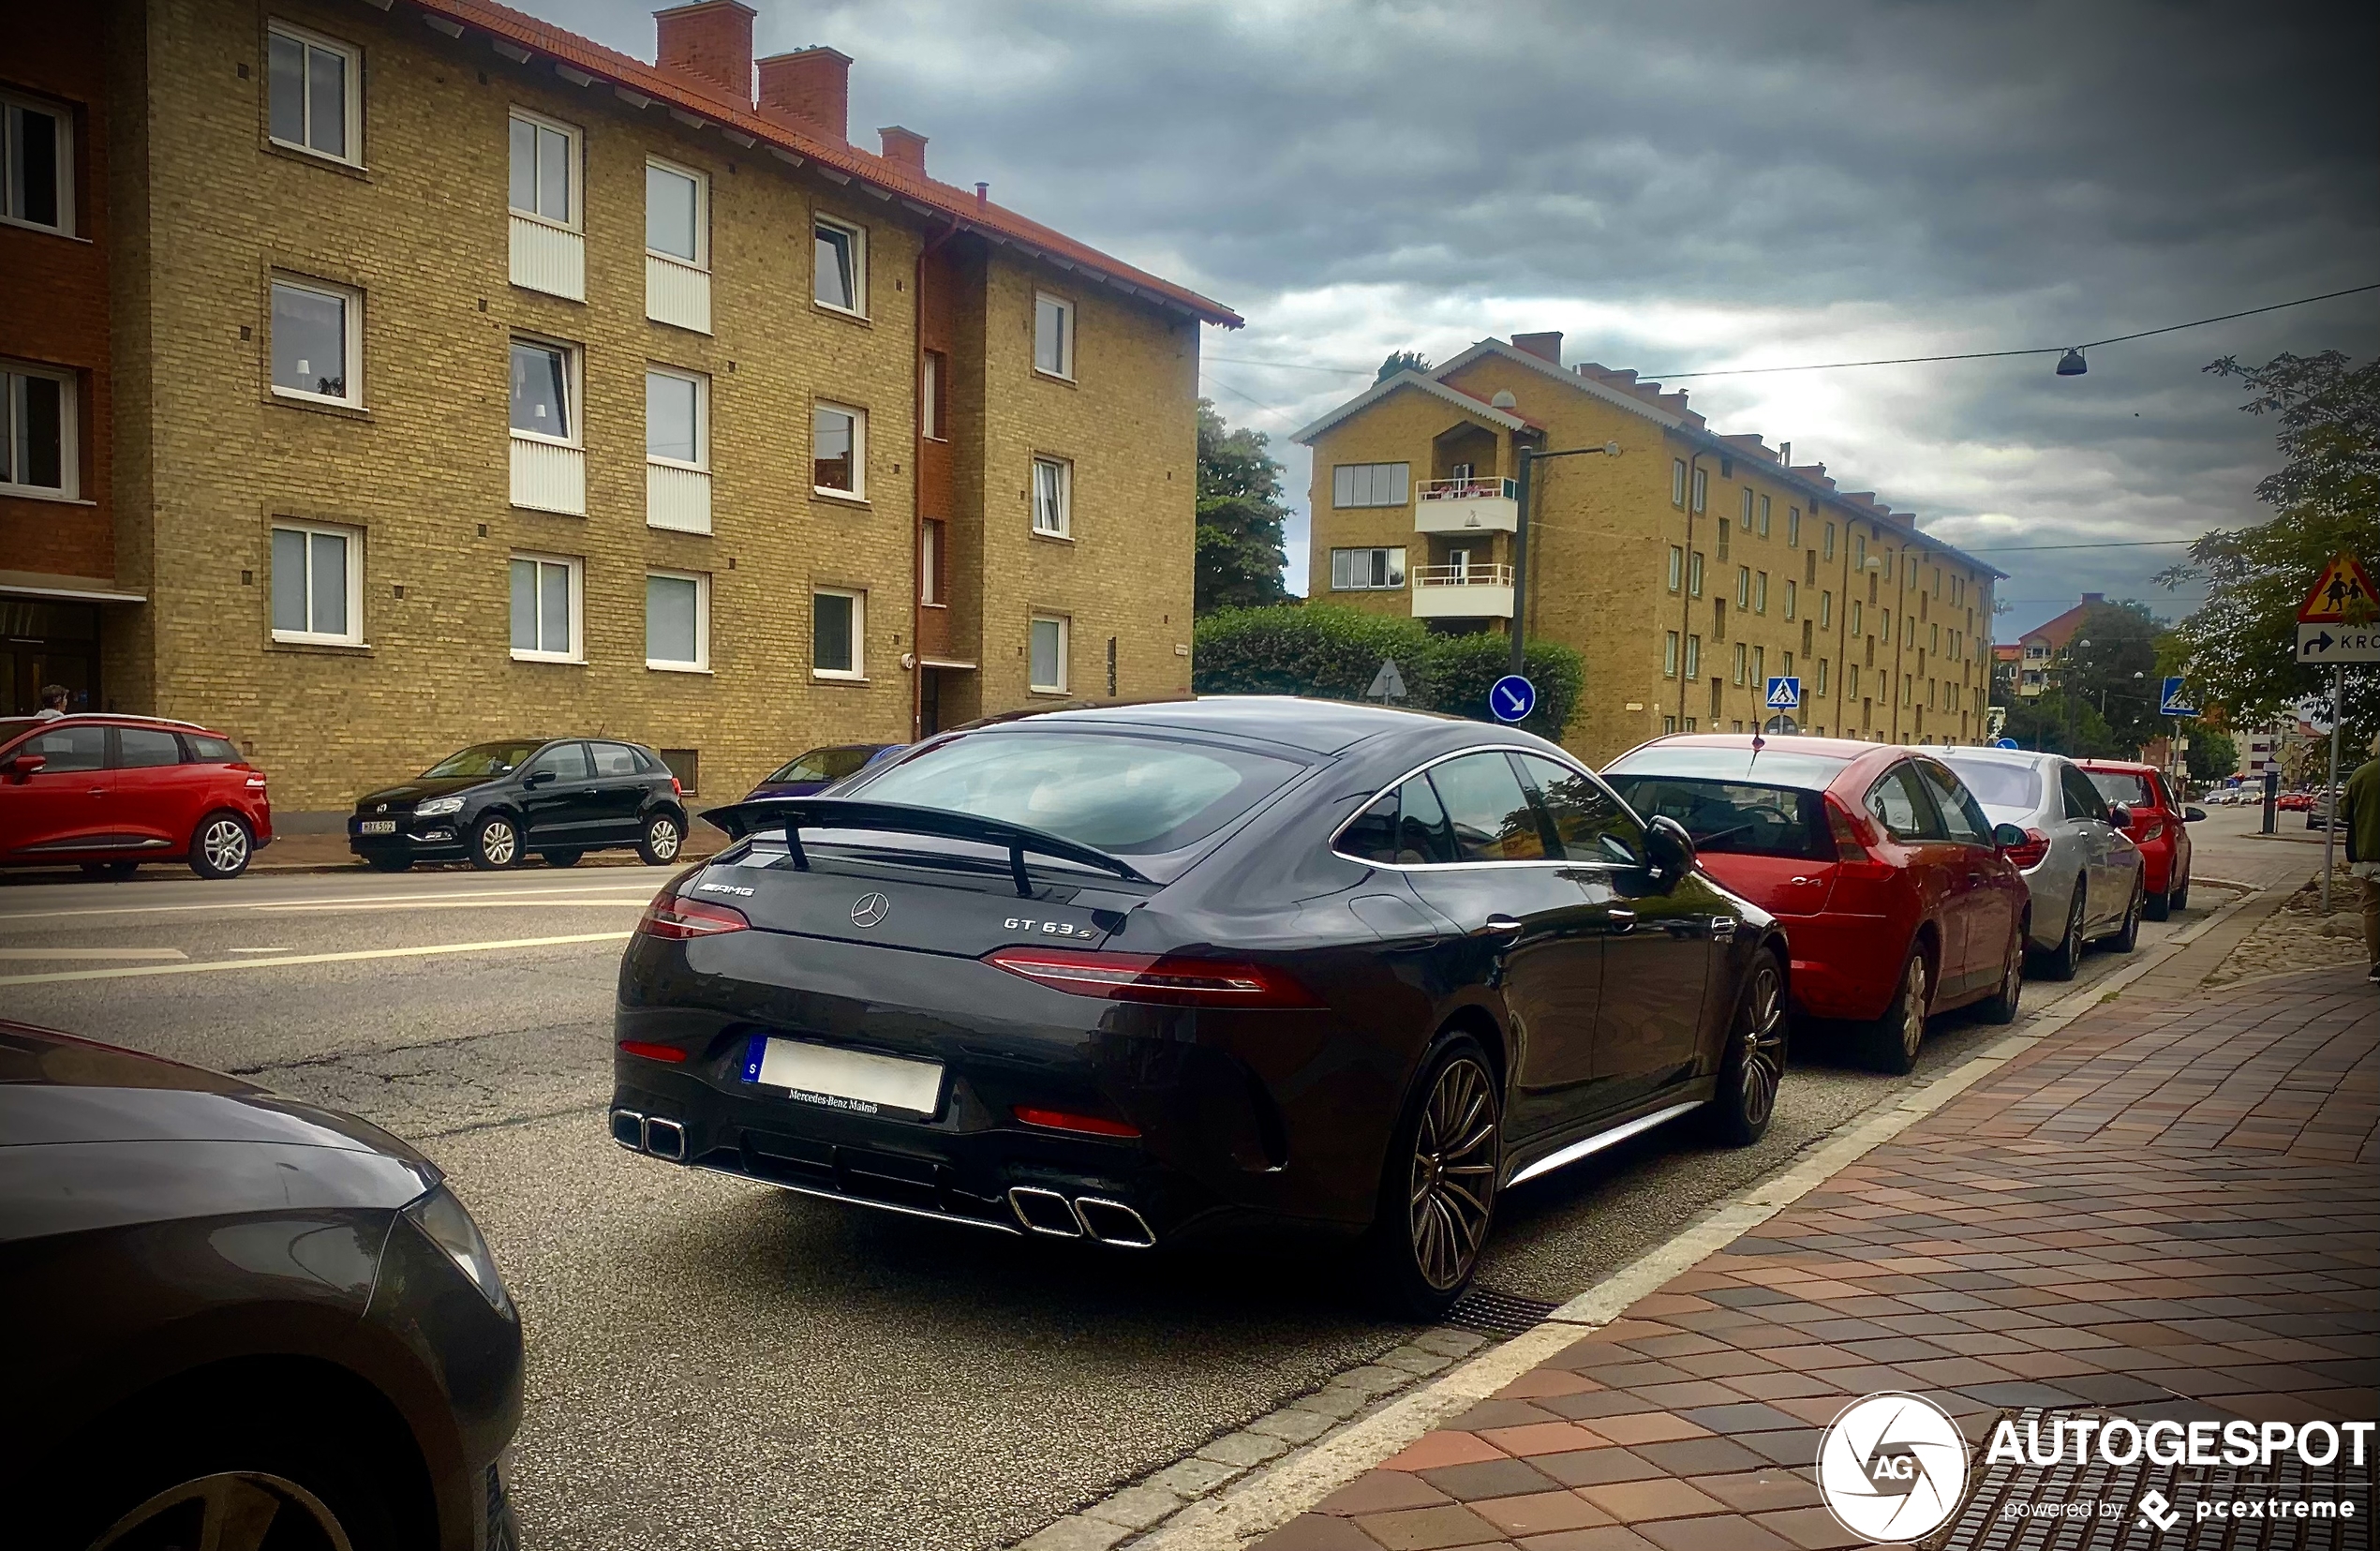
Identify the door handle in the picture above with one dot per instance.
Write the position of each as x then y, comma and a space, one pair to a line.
99, 790
1498, 926
1622, 919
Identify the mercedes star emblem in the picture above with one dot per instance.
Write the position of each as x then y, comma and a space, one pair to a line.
870, 909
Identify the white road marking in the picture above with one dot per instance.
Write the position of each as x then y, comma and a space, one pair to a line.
15, 953
256, 950
215, 966
529, 894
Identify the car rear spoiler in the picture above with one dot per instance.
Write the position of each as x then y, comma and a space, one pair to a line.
792, 814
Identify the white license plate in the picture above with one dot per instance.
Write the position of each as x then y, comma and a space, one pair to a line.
377, 827
855, 1080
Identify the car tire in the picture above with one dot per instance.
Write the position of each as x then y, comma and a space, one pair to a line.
2178, 897
2001, 1006
1426, 1241
205, 1479
2059, 962
2159, 906
495, 844
664, 837
2127, 936
389, 863
222, 846
1891, 1042
562, 858
1753, 1065
109, 869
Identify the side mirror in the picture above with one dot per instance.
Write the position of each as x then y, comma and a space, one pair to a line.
1671, 848
2191, 815
2007, 836
25, 765
537, 777
2119, 815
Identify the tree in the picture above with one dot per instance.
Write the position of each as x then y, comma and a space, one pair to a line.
2042, 723
2211, 753
1402, 361
1241, 548
2327, 496
2111, 665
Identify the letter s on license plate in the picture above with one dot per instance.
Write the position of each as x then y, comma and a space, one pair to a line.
377, 827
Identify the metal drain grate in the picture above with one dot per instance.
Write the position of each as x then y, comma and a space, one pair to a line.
1500, 1314
2012, 1507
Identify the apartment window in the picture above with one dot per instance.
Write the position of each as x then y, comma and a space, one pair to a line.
1364, 570
1826, 611
930, 560
676, 418
1690, 723
1742, 586
1694, 574
1678, 482
317, 335
315, 103
933, 408
1726, 530
545, 608
838, 632
837, 450
318, 584
37, 165
1823, 664
674, 227
1702, 488
1678, 568
1693, 656
1053, 489
1748, 511
38, 431
1049, 666
545, 390
1790, 592
1669, 655
677, 622
544, 169
1859, 552
1370, 483
1742, 655
1851, 678
1793, 528
1053, 336
1759, 665
1760, 593
1829, 544
1669, 723
1764, 523
838, 278
1788, 669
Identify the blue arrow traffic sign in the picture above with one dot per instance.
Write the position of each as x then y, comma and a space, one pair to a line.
1785, 694
2005, 743
2175, 701
1511, 698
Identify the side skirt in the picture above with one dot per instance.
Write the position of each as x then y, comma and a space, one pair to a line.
1588, 1146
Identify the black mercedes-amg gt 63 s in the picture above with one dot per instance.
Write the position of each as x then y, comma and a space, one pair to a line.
1130, 973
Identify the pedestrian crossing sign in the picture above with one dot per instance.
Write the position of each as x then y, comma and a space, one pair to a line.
1785, 694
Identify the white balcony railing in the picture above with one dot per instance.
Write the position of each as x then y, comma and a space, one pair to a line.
677, 499
549, 477
548, 257
678, 294
1468, 506
1469, 489
1468, 592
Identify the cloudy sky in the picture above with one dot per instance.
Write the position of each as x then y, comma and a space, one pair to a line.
1695, 185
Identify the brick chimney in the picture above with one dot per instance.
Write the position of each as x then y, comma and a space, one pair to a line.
711, 40
810, 90
1545, 347
905, 147
2094, 597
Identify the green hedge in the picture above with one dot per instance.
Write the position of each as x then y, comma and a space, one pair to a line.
1331, 653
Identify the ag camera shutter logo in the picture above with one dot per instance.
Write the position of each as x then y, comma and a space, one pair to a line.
1892, 1467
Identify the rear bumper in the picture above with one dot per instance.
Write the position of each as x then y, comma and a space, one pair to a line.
1840, 968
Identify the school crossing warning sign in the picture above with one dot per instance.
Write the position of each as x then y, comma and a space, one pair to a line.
2341, 593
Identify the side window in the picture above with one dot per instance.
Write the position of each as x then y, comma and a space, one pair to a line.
564, 762
1588, 820
1899, 803
205, 749
1492, 817
69, 748
614, 760
2082, 797
1963, 820
140, 747
1406, 826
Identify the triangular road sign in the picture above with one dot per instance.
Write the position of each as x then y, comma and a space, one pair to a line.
2343, 592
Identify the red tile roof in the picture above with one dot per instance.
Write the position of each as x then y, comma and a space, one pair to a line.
691, 93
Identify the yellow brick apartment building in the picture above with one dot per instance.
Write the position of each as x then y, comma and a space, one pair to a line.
469, 378
1689, 569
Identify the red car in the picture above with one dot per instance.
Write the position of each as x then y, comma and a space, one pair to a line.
1894, 890
2157, 827
111, 792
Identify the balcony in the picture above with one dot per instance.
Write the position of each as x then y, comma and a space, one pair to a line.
548, 258
1468, 506
676, 498
1462, 591
549, 476
676, 294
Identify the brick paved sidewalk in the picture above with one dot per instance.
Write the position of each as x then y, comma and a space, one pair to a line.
2167, 1207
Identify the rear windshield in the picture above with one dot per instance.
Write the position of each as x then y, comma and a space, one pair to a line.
1997, 785
483, 760
822, 765
1122, 794
1736, 817
2124, 786
1803, 772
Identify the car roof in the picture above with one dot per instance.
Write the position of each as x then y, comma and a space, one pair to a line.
1316, 726
1833, 748
2126, 767
2000, 756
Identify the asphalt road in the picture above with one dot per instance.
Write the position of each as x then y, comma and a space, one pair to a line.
713, 1364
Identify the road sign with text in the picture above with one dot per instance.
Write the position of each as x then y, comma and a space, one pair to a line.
2319, 645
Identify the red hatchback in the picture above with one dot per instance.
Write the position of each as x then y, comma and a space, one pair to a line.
1896, 895
2157, 827
111, 792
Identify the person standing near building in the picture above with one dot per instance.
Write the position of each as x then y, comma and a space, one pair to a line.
54, 702
2363, 849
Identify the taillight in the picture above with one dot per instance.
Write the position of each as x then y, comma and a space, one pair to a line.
2028, 855
676, 918
256, 783
1851, 836
652, 1051
2151, 830
675, 789
1169, 980
1063, 1120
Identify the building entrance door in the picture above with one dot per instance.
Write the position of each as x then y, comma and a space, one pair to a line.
46, 643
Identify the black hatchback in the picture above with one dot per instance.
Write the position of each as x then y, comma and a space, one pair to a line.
494, 804
1130, 973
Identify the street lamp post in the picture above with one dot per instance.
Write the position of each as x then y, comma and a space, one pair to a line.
1529, 456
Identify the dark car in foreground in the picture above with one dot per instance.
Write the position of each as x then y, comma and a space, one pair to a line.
493, 804
231, 1319
1138, 973
813, 770
109, 792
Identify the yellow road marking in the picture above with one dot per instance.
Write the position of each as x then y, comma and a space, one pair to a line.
215, 966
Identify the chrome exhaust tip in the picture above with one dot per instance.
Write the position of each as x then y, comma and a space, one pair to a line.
628, 1129
1111, 1222
665, 1138
1044, 1212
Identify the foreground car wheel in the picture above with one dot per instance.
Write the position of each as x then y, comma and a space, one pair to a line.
1893, 1040
1754, 1064
235, 1508
662, 841
2159, 906
495, 844
1439, 1195
2178, 897
2060, 963
2001, 1006
222, 846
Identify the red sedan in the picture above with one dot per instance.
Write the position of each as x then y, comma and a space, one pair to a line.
111, 792
2158, 827
1896, 895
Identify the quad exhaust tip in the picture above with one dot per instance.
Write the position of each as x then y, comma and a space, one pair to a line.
1114, 1222
653, 1134
1108, 1222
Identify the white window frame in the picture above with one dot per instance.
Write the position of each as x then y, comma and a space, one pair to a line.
1793, 528
1747, 510
1669, 654
354, 537
1694, 574
352, 320
857, 236
1678, 482
65, 152
858, 669
1397, 566
1701, 489
1792, 597
1065, 372
702, 417
575, 647
70, 487
573, 405
701, 180
577, 221
858, 491
1065, 648
353, 127
1742, 586
702, 621
932, 408
1759, 592
1345, 478
1065, 471
1677, 567
1693, 657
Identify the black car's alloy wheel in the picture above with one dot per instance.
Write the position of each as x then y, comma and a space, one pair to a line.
235, 1510
1439, 1198
662, 841
222, 846
495, 844
2060, 963
1754, 1064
